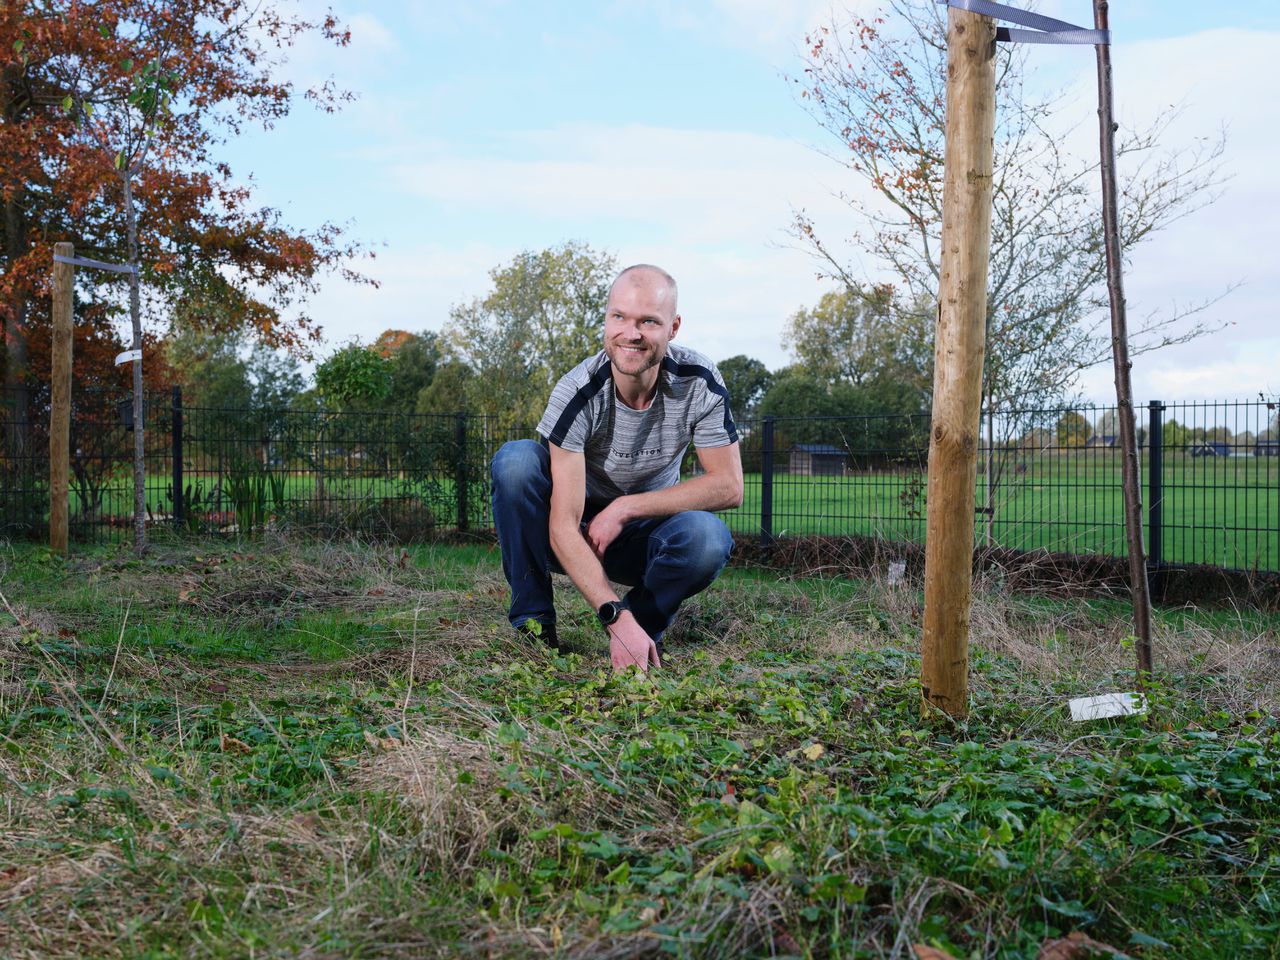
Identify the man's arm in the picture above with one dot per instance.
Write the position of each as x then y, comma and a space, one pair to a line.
629, 645
719, 488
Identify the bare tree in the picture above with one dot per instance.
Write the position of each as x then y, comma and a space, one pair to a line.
877, 86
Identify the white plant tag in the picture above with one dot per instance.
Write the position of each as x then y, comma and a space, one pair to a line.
897, 570
128, 356
1106, 705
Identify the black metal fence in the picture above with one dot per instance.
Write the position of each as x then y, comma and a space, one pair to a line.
1046, 479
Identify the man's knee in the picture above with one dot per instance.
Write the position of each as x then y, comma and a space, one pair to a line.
518, 463
703, 542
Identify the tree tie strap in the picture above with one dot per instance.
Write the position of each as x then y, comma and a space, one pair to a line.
1043, 29
96, 264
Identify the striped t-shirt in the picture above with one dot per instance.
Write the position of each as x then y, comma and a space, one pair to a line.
634, 451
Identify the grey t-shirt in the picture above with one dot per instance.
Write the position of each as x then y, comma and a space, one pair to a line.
634, 451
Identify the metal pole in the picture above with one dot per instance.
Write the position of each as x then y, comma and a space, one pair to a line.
1155, 495
178, 505
1120, 355
766, 483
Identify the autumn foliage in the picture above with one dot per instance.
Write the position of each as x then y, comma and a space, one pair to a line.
209, 257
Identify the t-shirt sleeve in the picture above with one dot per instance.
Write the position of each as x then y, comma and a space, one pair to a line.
566, 422
714, 426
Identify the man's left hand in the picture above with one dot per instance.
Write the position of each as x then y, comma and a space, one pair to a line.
605, 527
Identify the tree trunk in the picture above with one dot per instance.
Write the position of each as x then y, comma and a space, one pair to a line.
135, 317
959, 349
1120, 357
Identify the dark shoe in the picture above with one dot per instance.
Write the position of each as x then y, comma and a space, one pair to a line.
540, 632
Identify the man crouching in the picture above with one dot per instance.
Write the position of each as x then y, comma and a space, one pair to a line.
600, 498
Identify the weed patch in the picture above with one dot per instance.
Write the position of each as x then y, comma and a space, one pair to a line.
343, 750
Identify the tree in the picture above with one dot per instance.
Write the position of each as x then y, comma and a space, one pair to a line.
414, 357
544, 314
120, 105
448, 392
1073, 429
747, 380
879, 92
355, 376
854, 336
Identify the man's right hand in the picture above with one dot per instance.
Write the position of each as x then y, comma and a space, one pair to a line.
630, 646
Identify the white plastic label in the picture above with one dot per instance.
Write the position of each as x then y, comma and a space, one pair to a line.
1106, 705
128, 356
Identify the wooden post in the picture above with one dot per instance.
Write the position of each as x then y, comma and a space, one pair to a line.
1138, 586
60, 416
959, 347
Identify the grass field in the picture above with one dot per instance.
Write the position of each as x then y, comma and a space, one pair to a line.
281, 749
1224, 512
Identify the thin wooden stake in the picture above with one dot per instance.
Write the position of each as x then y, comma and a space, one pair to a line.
959, 350
60, 415
1120, 357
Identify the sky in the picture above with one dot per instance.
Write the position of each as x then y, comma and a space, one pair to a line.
668, 131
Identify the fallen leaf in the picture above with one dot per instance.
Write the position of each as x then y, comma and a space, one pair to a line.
216, 687
814, 751
232, 745
377, 592
926, 952
784, 942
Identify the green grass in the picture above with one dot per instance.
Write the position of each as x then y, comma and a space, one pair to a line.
1071, 503
1224, 512
284, 749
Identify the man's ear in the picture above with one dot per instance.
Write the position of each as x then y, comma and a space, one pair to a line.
675, 327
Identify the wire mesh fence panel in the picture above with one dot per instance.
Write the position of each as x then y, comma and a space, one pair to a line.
1045, 479
24, 465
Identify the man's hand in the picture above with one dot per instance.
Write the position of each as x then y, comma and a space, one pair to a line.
605, 526
630, 646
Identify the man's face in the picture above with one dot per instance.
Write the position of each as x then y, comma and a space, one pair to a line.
639, 321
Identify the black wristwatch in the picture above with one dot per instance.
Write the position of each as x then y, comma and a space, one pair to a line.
609, 613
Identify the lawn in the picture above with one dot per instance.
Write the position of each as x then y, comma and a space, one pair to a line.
278, 748
1220, 511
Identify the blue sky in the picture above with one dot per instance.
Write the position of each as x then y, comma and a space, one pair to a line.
666, 131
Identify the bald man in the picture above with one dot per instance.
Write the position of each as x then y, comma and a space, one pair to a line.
600, 498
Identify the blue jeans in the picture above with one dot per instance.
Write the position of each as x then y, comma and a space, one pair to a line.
665, 560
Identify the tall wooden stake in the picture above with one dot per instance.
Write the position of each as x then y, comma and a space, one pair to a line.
959, 348
60, 416
1120, 356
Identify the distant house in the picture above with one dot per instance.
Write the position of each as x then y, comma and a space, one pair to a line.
1212, 448
1103, 440
1267, 448
817, 460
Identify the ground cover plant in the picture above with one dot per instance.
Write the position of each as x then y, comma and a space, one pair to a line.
275, 748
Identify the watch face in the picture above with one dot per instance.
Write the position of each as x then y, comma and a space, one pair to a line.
609, 612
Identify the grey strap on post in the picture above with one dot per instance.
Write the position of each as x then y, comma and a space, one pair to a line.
1043, 29
96, 264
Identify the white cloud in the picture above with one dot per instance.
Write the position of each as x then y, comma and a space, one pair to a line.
703, 187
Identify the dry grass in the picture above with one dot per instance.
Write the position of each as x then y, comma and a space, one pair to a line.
343, 866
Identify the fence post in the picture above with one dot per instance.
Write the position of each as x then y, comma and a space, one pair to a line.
1155, 496
178, 505
60, 413
460, 467
766, 482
